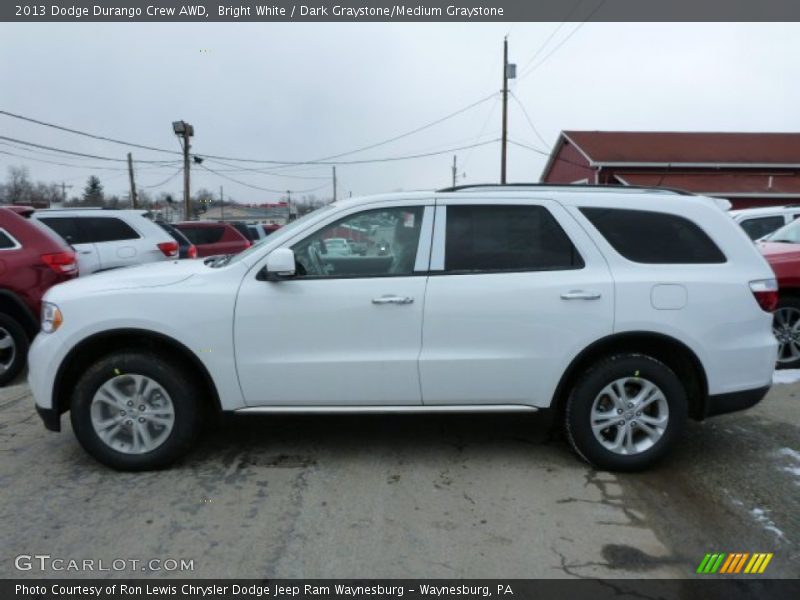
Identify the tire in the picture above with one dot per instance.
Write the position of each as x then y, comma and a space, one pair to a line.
112, 385
13, 348
610, 386
786, 327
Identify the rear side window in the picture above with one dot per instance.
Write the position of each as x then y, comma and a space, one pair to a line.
106, 229
757, 228
203, 235
6, 241
506, 238
90, 230
66, 227
654, 237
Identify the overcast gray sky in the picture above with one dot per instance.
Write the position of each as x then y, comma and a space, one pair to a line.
304, 91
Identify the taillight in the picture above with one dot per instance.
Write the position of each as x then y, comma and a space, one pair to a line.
63, 263
192, 251
170, 249
766, 293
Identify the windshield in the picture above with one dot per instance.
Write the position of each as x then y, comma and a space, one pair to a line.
789, 233
285, 229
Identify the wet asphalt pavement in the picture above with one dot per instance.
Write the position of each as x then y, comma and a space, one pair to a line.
404, 496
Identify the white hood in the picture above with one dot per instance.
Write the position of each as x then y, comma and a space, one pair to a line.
143, 276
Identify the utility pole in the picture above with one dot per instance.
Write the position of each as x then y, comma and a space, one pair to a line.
509, 72
334, 183
221, 205
184, 130
133, 184
455, 158
64, 187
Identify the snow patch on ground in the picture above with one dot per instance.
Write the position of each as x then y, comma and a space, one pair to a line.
786, 376
760, 515
793, 467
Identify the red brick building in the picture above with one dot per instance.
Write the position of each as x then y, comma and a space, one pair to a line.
749, 169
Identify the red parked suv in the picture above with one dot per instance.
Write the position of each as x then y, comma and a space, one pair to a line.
213, 238
32, 260
782, 251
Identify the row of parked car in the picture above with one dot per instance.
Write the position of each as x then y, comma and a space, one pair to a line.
40, 248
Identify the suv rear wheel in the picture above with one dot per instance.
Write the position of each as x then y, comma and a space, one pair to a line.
136, 411
625, 412
13, 348
786, 327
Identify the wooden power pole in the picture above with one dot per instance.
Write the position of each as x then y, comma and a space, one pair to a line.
505, 113
334, 183
133, 183
455, 168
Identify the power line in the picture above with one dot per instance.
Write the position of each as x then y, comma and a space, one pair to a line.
73, 166
551, 36
482, 130
548, 154
234, 159
84, 133
258, 187
563, 41
262, 171
528, 118
70, 152
165, 182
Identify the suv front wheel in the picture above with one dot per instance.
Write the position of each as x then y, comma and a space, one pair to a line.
136, 410
13, 348
625, 412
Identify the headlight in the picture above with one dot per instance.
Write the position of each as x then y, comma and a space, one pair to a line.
51, 317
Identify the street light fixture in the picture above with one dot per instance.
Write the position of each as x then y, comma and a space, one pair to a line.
184, 131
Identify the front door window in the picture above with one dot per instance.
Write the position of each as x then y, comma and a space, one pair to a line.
373, 243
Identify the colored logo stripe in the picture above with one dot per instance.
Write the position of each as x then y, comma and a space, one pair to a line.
734, 562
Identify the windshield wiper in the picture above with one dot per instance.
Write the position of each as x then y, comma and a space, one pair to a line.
781, 241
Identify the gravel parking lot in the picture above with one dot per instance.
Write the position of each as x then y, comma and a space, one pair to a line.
422, 496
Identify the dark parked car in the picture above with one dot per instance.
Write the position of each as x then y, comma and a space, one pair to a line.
32, 260
185, 248
244, 229
212, 238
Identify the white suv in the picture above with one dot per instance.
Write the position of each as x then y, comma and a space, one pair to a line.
626, 311
109, 239
758, 222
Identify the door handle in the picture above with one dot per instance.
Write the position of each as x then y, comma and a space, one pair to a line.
389, 299
85, 252
580, 295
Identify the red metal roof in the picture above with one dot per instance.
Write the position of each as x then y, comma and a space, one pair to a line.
722, 183
688, 147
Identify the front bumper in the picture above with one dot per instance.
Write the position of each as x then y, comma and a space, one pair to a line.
720, 404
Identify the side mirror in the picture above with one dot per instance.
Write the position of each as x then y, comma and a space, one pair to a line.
280, 265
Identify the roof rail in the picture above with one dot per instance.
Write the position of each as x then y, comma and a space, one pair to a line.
601, 186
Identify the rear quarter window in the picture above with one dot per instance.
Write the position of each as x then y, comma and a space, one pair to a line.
652, 237
203, 235
761, 226
6, 241
66, 227
106, 229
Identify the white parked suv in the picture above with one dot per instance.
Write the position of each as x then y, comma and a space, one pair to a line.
761, 221
109, 239
626, 311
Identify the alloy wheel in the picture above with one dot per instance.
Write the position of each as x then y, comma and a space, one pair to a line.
132, 414
629, 416
8, 350
786, 327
